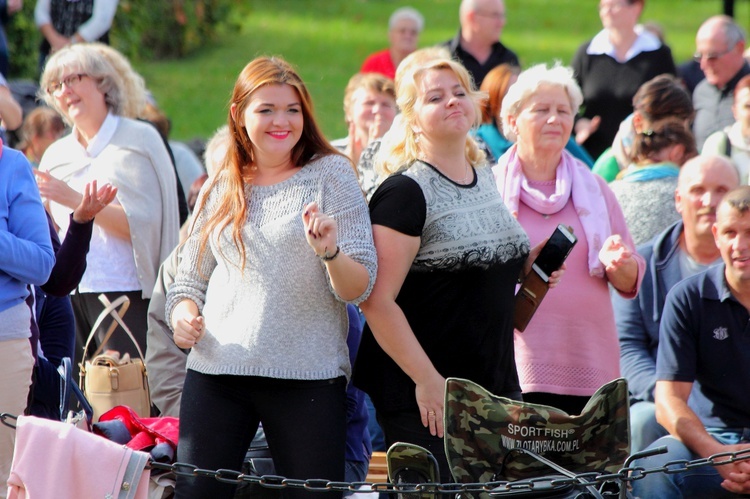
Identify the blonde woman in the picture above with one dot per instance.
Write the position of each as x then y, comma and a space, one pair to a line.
449, 256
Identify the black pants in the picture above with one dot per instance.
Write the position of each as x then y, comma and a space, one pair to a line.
304, 422
87, 307
407, 427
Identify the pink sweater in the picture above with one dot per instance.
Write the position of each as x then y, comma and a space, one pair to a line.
54, 459
570, 346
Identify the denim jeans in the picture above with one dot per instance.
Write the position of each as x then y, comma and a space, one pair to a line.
644, 429
355, 471
701, 482
376, 432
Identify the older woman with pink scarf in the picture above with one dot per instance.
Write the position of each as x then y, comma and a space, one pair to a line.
569, 348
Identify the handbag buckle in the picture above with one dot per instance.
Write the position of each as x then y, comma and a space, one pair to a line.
114, 378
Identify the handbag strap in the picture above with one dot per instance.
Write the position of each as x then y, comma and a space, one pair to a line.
65, 369
110, 310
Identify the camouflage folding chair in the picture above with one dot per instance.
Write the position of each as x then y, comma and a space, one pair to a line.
490, 438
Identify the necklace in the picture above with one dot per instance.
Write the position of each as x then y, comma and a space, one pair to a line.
466, 174
464, 180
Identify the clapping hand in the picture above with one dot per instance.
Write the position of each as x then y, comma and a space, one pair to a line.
378, 127
54, 189
93, 201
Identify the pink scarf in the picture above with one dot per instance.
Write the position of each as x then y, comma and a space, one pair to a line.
588, 199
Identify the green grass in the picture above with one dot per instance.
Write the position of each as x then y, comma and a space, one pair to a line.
327, 40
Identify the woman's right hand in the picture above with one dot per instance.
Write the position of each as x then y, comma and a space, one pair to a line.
430, 394
54, 189
378, 128
188, 325
585, 127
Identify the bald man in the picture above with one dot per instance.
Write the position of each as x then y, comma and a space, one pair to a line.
720, 44
477, 44
683, 249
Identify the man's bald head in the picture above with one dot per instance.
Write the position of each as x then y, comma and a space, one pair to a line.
482, 19
694, 166
720, 43
703, 182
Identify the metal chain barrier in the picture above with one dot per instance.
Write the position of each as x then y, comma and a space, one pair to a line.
625, 475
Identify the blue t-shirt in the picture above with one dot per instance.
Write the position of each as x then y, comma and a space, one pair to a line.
704, 338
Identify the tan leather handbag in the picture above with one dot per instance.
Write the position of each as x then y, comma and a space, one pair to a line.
111, 379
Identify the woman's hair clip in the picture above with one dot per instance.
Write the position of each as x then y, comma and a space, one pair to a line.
648, 133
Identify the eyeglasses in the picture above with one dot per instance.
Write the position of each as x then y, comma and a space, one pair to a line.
698, 57
497, 16
69, 82
407, 31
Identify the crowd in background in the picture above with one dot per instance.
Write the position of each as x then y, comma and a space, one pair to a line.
319, 292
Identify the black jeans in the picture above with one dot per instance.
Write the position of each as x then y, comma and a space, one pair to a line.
304, 422
407, 427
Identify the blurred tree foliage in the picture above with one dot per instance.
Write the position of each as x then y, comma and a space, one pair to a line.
142, 29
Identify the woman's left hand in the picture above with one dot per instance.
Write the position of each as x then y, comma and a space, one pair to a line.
620, 264
321, 230
430, 395
532, 256
555, 277
93, 201
615, 254
56, 190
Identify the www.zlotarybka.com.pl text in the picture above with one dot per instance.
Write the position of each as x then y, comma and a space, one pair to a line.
560, 442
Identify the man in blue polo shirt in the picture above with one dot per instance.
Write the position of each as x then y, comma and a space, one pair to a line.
685, 248
703, 379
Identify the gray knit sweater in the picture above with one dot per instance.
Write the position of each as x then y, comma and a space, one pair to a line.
648, 206
280, 317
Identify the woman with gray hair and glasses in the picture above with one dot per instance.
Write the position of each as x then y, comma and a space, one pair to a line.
139, 229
